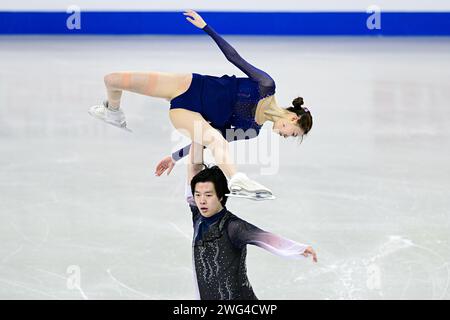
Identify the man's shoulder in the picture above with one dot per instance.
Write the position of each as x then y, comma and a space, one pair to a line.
233, 219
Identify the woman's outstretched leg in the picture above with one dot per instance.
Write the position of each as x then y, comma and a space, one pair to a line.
153, 84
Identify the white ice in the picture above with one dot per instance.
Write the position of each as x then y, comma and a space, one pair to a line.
369, 188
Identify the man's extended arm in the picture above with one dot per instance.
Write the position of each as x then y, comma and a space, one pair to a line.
242, 233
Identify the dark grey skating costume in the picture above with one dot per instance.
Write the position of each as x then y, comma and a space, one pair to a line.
220, 250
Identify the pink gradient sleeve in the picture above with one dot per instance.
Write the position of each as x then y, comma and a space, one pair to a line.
242, 233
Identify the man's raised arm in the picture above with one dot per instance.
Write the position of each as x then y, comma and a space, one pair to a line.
195, 165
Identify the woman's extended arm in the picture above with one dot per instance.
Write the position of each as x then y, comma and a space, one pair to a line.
234, 57
230, 53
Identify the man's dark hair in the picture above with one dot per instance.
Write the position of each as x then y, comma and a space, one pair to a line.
218, 179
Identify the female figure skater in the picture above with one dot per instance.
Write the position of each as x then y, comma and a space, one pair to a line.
200, 104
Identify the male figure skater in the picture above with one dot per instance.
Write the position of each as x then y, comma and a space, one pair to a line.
220, 237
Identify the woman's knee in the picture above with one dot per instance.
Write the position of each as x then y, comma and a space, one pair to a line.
112, 80
193, 125
214, 141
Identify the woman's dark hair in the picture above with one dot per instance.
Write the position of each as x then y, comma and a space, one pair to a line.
305, 122
218, 179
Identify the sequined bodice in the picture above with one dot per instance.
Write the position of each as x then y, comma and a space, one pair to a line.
248, 95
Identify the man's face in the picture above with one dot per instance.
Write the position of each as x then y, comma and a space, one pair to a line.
206, 199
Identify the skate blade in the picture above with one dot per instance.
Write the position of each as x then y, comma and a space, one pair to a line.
252, 196
111, 123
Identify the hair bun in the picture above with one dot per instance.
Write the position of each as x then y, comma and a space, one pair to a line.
297, 102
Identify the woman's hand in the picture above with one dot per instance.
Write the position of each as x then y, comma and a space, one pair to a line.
194, 18
165, 164
310, 251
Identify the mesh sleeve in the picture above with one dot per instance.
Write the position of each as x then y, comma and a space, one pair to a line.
266, 83
242, 233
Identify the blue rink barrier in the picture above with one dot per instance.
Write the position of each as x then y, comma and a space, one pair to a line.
245, 23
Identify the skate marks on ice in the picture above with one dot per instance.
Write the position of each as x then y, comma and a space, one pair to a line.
397, 269
66, 280
123, 285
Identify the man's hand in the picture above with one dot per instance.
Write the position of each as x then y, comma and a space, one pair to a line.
194, 18
310, 251
165, 164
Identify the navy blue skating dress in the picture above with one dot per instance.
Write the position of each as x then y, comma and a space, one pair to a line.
227, 102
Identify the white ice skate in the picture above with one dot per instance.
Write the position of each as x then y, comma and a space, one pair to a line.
114, 117
242, 187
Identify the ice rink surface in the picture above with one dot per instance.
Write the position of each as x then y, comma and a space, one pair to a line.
83, 216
